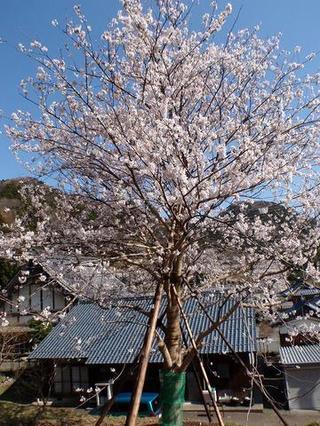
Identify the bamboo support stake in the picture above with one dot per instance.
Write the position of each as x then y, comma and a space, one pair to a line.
108, 405
200, 389
144, 358
194, 366
203, 371
275, 409
214, 402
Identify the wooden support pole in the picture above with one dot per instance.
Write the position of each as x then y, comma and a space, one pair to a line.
196, 373
202, 369
206, 379
125, 375
275, 409
105, 410
144, 358
201, 393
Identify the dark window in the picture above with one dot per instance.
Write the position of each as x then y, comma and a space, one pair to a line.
223, 370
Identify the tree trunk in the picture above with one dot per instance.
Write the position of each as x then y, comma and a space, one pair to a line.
173, 338
172, 397
173, 379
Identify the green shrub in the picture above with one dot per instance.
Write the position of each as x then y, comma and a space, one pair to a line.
40, 329
10, 190
3, 378
7, 271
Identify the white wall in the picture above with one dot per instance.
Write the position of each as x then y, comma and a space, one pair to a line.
59, 301
40, 299
35, 298
303, 387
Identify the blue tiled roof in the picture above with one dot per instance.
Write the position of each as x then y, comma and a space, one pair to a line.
292, 289
308, 291
115, 335
295, 355
314, 304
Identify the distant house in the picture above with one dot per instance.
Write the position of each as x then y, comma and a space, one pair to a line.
34, 288
302, 372
299, 347
92, 344
303, 299
291, 329
51, 286
300, 331
54, 284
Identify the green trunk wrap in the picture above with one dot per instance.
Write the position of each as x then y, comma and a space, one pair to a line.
172, 398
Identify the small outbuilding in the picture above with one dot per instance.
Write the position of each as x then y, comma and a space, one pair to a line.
302, 374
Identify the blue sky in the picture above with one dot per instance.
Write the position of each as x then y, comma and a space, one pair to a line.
22, 21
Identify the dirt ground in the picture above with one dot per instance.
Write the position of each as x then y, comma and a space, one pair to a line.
27, 415
268, 418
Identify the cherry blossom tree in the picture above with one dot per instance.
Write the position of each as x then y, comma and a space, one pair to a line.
155, 133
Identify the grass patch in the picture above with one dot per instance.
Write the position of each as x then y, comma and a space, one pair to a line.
4, 387
12, 414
